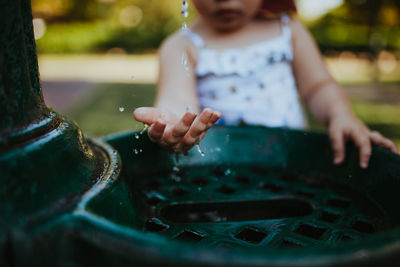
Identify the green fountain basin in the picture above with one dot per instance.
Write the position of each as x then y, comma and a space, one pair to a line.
259, 197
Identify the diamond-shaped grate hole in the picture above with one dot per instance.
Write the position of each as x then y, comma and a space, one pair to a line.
363, 227
315, 184
189, 236
153, 201
200, 181
272, 187
155, 225
218, 171
328, 217
259, 170
154, 184
251, 235
290, 177
289, 244
339, 203
227, 190
177, 191
305, 194
346, 238
241, 179
310, 231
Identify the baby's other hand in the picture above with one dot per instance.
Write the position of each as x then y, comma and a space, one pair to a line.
342, 128
177, 134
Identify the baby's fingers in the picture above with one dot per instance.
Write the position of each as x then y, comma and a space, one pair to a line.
156, 130
214, 117
338, 145
147, 115
181, 128
363, 143
381, 141
197, 128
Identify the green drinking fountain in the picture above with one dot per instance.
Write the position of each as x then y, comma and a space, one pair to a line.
259, 196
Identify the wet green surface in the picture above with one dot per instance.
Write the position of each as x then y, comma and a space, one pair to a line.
264, 196
255, 205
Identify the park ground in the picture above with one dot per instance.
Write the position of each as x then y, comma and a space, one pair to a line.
100, 92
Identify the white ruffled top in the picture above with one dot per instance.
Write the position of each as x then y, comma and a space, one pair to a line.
253, 85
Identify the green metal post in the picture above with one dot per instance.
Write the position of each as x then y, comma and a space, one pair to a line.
45, 161
21, 99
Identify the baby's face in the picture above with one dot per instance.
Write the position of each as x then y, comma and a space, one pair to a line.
227, 15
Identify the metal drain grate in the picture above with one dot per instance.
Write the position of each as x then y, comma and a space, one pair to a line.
251, 235
236, 205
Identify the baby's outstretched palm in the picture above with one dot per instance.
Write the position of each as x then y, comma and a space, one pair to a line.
178, 134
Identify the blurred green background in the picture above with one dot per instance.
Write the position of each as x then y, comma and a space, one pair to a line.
97, 56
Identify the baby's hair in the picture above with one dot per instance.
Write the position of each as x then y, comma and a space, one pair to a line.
277, 7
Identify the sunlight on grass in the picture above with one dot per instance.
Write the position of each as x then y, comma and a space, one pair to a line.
377, 113
100, 114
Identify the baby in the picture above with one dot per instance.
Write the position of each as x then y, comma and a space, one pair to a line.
247, 68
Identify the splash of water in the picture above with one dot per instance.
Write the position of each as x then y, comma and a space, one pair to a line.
185, 14
184, 26
184, 9
200, 151
227, 172
121, 109
175, 169
189, 108
184, 61
145, 127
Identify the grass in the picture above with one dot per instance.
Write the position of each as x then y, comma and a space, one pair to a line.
100, 114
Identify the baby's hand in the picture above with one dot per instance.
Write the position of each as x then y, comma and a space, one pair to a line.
346, 127
176, 134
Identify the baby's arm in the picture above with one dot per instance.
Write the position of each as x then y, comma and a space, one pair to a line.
327, 101
173, 121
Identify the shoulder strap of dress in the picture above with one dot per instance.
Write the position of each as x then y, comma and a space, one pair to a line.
194, 37
286, 31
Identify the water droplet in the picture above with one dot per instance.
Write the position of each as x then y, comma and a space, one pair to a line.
184, 26
135, 151
145, 127
185, 13
200, 151
176, 178
185, 4
140, 150
227, 172
121, 109
136, 136
227, 138
185, 61
175, 169
189, 108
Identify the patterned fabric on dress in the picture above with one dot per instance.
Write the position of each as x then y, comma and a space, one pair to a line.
253, 85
